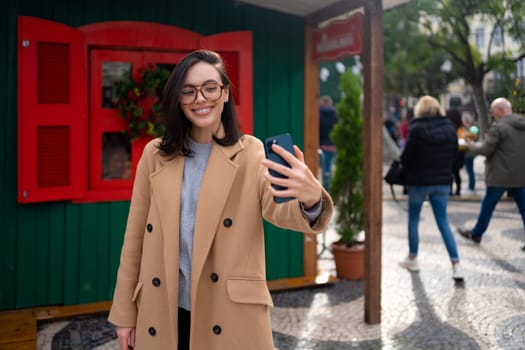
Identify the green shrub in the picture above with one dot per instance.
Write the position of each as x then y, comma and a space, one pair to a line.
346, 186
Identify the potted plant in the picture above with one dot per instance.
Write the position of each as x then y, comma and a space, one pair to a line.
346, 186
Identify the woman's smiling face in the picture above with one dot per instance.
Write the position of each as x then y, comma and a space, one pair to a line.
204, 114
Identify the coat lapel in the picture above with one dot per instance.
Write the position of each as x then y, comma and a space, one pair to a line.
166, 188
216, 185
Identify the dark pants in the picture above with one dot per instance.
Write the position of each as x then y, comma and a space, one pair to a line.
457, 180
459, 161
184, 329
469, 166
328, 161
488, 204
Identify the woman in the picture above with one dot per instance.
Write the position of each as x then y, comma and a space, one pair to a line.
192, 268
327, 120
427, 160
469, 133
454, 116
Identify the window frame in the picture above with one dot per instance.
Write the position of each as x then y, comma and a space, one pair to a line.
152, 40
102, 120
479, 37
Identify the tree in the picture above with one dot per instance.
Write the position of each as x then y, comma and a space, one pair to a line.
412, 68
346, 186
448, 27
517, 97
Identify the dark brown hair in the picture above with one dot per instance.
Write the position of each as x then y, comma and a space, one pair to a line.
178, 127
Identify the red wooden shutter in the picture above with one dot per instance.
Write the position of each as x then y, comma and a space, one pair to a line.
51, 111
236, 50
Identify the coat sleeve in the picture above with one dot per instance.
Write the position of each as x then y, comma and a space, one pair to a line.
490, 145
123, 311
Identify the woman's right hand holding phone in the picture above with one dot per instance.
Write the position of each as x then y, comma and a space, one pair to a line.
300, 181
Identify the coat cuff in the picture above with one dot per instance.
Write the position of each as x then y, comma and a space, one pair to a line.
322, 221
313, 213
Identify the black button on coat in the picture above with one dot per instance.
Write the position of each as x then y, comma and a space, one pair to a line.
214, 277
228, 222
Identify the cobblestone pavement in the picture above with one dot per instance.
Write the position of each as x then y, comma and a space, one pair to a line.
424, 310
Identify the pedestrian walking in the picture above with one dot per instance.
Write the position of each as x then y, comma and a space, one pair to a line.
504, 149
469, 132
192, 267
454, 116
327, 120
427, 162
403, 126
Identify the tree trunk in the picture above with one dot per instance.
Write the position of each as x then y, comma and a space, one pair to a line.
481, 108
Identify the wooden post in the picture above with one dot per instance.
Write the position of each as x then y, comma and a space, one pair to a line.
373, 151
311, 139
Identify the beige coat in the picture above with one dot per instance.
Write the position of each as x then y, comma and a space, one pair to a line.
230, 300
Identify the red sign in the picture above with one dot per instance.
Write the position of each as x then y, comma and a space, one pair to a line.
339, 38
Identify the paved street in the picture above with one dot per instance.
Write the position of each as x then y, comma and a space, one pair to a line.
424, 310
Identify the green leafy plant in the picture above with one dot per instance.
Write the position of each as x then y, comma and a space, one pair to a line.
135, 105
517, 97
346, 186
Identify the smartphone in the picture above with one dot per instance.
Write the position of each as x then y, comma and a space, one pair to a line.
285, 141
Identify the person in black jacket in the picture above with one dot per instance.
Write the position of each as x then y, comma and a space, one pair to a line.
454, 115
427, 161
327, 120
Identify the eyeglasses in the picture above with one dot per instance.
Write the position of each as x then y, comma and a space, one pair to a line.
211, 91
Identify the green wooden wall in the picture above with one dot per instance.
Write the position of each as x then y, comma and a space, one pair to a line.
63, 253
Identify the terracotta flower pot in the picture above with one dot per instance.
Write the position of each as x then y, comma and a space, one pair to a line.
349, 261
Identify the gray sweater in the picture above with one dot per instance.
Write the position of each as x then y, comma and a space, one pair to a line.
191, 182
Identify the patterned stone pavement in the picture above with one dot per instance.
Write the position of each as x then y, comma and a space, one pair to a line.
425, 310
